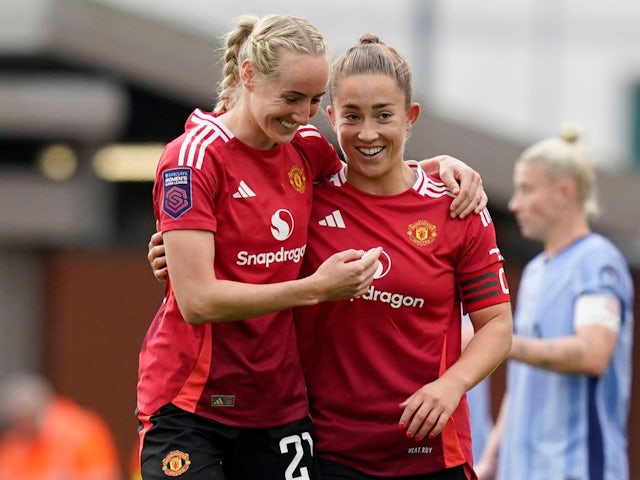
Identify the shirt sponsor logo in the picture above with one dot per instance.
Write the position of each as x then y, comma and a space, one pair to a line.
395, 300
267, 258
422, 233
384, 263
281, 224
177, 191
281, 228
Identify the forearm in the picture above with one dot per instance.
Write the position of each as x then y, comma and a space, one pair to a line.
485, 351
203, 298
564, 355
224, 301
488, 461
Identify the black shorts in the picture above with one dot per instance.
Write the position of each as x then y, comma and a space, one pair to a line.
330, 470
181, 444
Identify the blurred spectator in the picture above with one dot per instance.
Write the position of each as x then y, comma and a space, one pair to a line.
48, 437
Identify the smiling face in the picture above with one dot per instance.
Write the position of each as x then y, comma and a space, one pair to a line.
371, 119
278, 106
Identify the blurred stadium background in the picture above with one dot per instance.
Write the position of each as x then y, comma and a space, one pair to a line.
91, 89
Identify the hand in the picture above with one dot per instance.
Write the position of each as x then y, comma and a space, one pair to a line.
462, 180
427, 411
348, 274
157, 259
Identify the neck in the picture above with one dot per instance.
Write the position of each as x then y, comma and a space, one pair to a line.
565, 234
395, 181
244, 128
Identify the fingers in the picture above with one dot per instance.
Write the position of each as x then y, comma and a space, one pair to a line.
482, 203
156, 239
422, 418
471, 199
161, 275
369, 265
156, 258
447, 176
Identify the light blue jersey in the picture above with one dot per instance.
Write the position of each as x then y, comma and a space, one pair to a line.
479, 400
562, 426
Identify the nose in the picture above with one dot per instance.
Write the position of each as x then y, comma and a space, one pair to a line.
513, 203
367, 132
302, 114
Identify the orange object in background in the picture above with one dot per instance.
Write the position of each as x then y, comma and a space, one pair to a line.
49, 437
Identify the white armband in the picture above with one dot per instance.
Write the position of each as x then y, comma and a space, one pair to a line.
598, 309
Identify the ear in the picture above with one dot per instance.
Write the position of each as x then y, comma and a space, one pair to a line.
247, 74
332, 116
412, 115
567, 188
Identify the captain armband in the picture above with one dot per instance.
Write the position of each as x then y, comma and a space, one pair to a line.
598, 309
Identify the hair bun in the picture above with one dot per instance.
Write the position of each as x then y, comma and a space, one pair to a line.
570, 132
369, 38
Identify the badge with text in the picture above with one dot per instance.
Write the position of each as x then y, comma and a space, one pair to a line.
175, 463
176, 191
422, 233
297, 178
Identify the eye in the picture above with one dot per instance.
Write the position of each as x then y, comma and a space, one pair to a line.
351, 117
385, 116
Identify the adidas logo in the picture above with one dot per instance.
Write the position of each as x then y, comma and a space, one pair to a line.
244, 191
223, 400
333, 220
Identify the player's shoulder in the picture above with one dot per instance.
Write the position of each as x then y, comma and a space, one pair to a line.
204, 134
430, 186
310, 140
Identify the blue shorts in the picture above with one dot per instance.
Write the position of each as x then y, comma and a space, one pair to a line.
188, 446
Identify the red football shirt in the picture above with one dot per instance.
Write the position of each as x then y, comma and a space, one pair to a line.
363, 357
257, 202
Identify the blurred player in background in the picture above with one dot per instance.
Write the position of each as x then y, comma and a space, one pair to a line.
564, 414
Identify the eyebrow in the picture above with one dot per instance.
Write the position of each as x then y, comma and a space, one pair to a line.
300, 94
377, 106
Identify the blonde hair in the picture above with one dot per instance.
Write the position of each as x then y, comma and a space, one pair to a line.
264, 41
372, 56
564, 156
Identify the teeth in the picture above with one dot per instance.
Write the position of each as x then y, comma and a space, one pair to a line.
370, 151
287, 124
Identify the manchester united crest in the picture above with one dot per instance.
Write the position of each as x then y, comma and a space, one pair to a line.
297, 178
175, 463
422, 233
